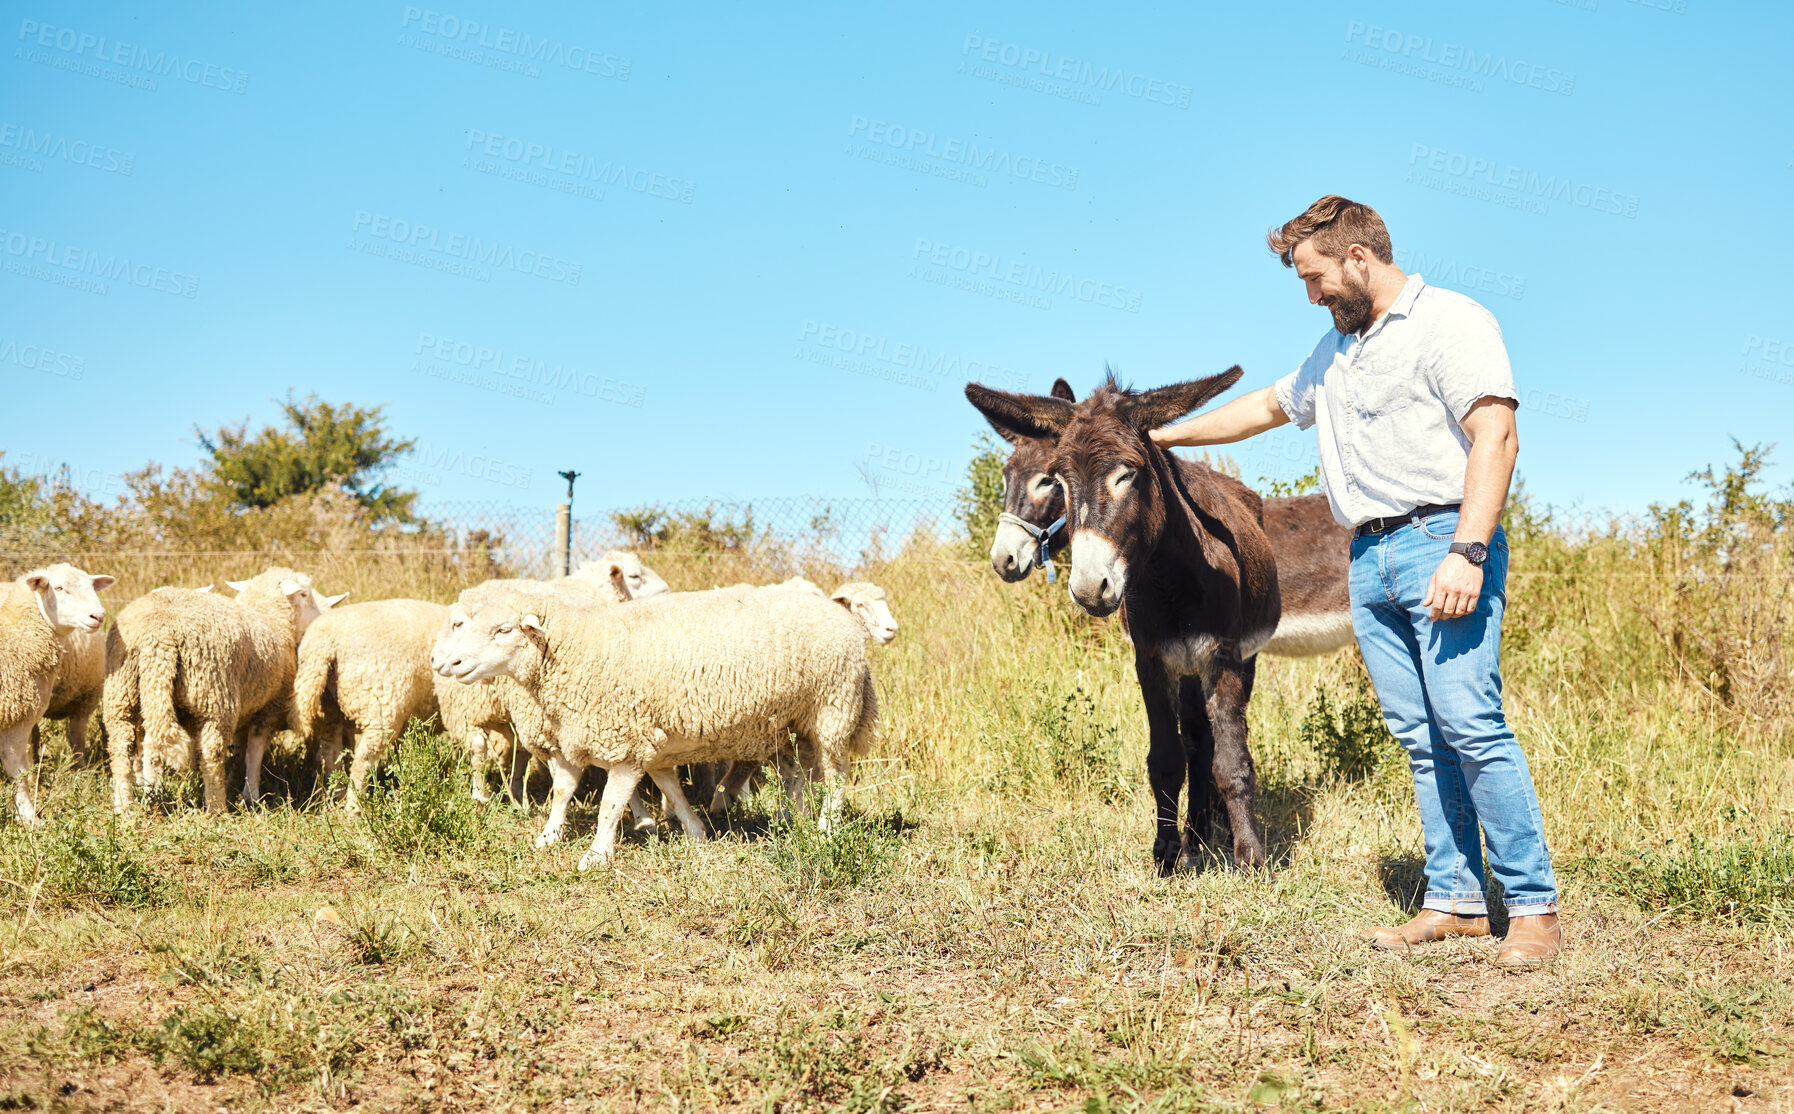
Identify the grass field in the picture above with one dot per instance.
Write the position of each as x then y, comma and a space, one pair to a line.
988, 932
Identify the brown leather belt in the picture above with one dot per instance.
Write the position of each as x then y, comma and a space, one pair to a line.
1384, 525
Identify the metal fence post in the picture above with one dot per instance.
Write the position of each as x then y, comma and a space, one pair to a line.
563, 540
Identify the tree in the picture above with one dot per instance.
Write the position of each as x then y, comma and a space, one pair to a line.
321, 445
981, 499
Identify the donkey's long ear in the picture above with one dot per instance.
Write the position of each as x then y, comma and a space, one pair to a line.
1164, 405
1062, 389
1013, 415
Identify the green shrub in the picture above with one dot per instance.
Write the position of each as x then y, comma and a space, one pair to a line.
89, 856
1052, 741
1349, 738
421, 803
1729, 881
854, 851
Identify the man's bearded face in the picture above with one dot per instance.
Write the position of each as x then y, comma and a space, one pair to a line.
1351, 307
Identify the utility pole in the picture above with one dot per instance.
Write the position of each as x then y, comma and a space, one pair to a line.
563, 525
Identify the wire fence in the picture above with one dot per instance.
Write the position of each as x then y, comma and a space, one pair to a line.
850, 532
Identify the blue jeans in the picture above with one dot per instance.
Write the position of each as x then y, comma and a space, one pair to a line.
1440, 688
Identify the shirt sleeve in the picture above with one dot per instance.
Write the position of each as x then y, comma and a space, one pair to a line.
1297, 391
1471, 361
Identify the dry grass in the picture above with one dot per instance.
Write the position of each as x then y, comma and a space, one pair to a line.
989, 933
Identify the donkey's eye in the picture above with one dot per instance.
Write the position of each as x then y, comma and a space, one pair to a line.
1043, 485
1121, 478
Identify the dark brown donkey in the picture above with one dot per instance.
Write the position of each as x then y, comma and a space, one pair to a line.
1313, 550
1186, 551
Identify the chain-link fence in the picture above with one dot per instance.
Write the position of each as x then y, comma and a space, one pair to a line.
848, 533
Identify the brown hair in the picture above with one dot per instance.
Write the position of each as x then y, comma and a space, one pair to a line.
1334, 224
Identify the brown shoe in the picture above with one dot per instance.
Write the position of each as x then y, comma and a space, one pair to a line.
1427, 926
1531, 942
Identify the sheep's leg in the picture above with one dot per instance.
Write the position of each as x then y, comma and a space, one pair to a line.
566, 780
253, 751
643, 824
668, 780
77, 731
479, 756
618, 785
791, 776
520, 760
330, 755
834, 794
15, 756
370, 747
733, 785
214, 751
119, 740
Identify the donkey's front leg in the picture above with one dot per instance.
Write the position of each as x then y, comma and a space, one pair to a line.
1234, 775
1204, 810
1165, 760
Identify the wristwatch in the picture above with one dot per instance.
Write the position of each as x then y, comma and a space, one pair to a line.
1474, 552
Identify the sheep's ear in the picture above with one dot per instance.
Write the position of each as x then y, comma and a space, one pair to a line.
1062, 389
328, 602
36, 581
101, 582
288, 588
532, 622
236, 585
844, 597
619, 580
203, 588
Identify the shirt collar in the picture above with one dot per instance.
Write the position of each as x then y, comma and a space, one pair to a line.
1404, 302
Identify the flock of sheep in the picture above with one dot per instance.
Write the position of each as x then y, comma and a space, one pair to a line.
562, 669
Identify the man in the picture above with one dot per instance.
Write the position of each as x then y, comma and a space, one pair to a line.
1414, 400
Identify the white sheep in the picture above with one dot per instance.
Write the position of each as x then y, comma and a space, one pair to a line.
363, 673
224, 665
37, 613
689, 677
76, 696
486, 718
867, 603
638, 581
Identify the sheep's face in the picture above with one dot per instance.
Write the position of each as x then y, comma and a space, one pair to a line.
308, 606
640, 580
482, 640
68, 597
867, 603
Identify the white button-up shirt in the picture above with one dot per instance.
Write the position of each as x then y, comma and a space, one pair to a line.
1388, 402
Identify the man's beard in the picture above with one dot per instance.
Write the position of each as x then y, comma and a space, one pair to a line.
1351, 309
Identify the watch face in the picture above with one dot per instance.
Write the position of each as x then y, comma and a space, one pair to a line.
1478, 553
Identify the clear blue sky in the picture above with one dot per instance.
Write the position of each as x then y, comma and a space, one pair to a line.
703, 251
